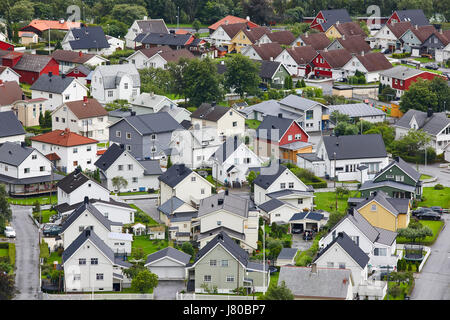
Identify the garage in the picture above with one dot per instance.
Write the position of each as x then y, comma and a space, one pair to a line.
168, 264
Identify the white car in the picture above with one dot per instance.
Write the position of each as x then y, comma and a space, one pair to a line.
9, 232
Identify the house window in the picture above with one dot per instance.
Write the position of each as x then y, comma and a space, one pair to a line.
202, 191
309, 114
153, 137
193, 178
50, 95
290, 137
399, 178
219, 223
212, 263
67, 96
125, 86
57, 119
282, 185
330, 264
94, 260
128, 147
373, 207
291, 185
299, 201
118, 134
120, 167
207, 278
77, 277
99, 276
75, 163
110, 94
88, 148
135, 179
224, 263
230, 278
100, 119
234, 123
298, 136
26, 170
41, 169
82, 261
341, 265
75, 150
34, 157
380, 252
130, 167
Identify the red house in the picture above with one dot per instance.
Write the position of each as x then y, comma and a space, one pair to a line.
328, 64
326, 18
415, 16
6, 46
29, 66
283, 134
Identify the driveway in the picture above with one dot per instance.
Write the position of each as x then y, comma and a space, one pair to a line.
27, 254
167, 289
442, 174
149, 206
299, 243
433, 283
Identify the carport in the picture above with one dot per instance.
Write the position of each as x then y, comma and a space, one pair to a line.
309, 220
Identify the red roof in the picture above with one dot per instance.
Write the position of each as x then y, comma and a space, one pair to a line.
52, 157
232, 20
64, 138
100, 152
43, 25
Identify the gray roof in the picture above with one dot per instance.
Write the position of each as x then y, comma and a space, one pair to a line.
31, 180
433, 125
299, 103
361, 223
150, 123
332, 16
109, 157
152, 167
387, 183
265, 181
326, 283
357, 110
394, 205
287, 253
271, 108
65, 207
164, 39
386, 237
170, 205
10, 125
14, 153
221, 201
311, 157
153, 25
171, 253
271, 205
403, 165
227, 148
91, 37
355, 146
74, 180
415, 16
81, 69
285, 192
267, 127
183, 216
112, 74
257, 266
400, 72
232, 233
33, 62
210, 112
54, 83
311, 215
296, 145
347, 244
175, 174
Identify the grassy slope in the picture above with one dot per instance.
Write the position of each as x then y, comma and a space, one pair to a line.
324, 200
149, 246
436, 197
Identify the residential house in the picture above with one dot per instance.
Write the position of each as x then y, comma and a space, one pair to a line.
114, 45
414, 37
388, 37
281, 138
221, 37
11, 129
25, 171
398, 179
229, 20
414, 16
385, 212
308, 221
348, 158
348, 29
269, 107
10, 91
329, 64
161, 58
400, 78
86, 117
57, 90
67, 150
246, 37
435, 43
286, 257
28, 111
40, 26
113, 82
354, 44
157, 233
30, 67
319, 41
76, 185
144, 26
90, 265
359, 111
278, 182
231, 162
80, 72
277, 211
168, 264
8, 74
222, 264
326, 18
314, 283
283, 37
437, 125
226, 121
262, 51
90, 39
141, 175
379, 244
4, 45
146, 135
174, 41
140, 57
297, 60
69, 59
370, 64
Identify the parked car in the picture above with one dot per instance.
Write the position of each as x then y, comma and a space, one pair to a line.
296, 230
437, 209
428, 215
51, 230
432, 66
385, 51
307, 235
9, 232
421, 210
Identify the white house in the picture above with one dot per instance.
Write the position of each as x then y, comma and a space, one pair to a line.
232, 161
86, 117
140, 58
68, 59
88, 39
90, 265
113, 82
66, 149
8, 74
370, 63
140, 175
76, 186
168, 264
114, 45
359, 111
144, 26
11, 130
57, 90
297, 60
389, 35
278, 211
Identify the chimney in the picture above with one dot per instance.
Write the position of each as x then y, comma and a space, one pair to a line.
85, 99
362, 53
80, 53
280, 115
145, 17
429, 112
306, 34
416, 27
23, 144
77, 171
132, 113
87, 232
220, 201
213, 104
314, 268
337, 23
248, 18
86, 200
50, 73
271, 58
325, 49
343, 37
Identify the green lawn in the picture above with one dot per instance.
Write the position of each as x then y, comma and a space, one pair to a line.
436, 197
191, 109
252, 123
30, 201
274, 279
149, 246
435, 226
425, 177
424, 59
54, 257
131, 193
151, 222
211, 179
326, 200
103, 145
3, 252
405, 286
424, 69
46, 214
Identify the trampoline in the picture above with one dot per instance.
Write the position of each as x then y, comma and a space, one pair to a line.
414, 252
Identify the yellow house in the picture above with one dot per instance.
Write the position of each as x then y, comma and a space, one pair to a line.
332, 33
246, 37
385, 212
348, 29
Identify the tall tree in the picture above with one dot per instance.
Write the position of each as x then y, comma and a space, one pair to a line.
278, 292
242, 75
419, 96
119, 183
259, 11
128, 13
144, 281
5, 208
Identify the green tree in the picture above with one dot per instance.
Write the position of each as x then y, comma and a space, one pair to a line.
5, 208
128, 13
196, 25
345, 129
22, 11
387, 133
261, 11
188, 248
336, 117
134, 270
387, 94
41, 120
177, 73
411, 145
288, 82
156, 80
48, 119
144, 281
419, 96
119, 182
169, 162
414, 233
251, 178
275, 246
242, 75
278, 292
342, 191
7, 288
138, 253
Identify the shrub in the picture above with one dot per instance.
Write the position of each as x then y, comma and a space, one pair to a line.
438, 187
304, 260
401, 55
396, 291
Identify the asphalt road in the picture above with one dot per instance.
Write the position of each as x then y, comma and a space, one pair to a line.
166, 290
442, 175
27, 254
433, 283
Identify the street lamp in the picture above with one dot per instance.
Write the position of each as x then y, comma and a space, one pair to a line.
334, 154
253, 287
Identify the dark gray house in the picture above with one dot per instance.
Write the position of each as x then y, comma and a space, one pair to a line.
146, 135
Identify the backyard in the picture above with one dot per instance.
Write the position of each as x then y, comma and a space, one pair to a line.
30, 201
327, 201
252, 123
435, 197
147, 245
435, 226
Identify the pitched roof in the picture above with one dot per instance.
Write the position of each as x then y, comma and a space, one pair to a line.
354, 44
81, 70
14, 153
91, 37
394, 205
109, 157
356, 110
334, 15
271, 123
267, 69
168, 252
175, 55
350, 29
54, 83
33, 62
175, 174
65, 138
433, 125
299, 103
89, 109
153, 25
209, 112
369, 184
151, 167
423, 32
168, 39
232, 29
268, 50
150, 52
10, 91
355, 146
229, 20
374, 61
336, 58
403, 165
151, 123
415, 16
399, 28
287, 253
221, 201
43, 25
226, 149
72, 56
112, 74
324, 283
266, 180
285, 37
271, 205
361, 223
65, 207
254, 34
349, 246
318, 41
401, 72
73, 180
171, 205
302, 55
